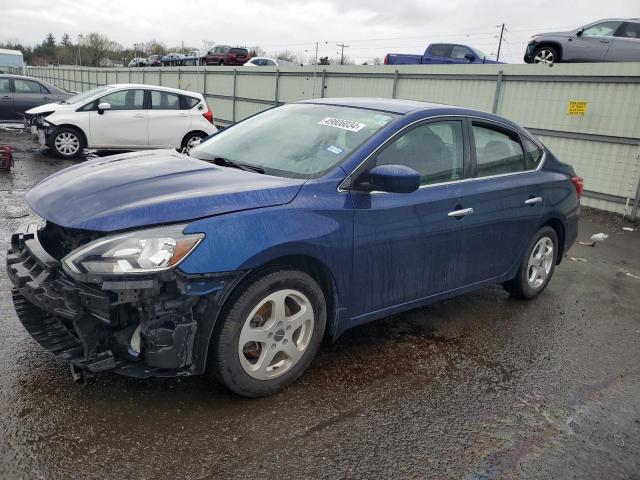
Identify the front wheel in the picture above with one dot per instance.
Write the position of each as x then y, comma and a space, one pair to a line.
544, 54
270, 333
66, 142
537, 266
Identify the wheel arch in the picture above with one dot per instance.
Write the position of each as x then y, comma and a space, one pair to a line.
550, 43
317, 270
85, 139
558, 226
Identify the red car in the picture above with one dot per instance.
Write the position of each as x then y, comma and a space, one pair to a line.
226, 55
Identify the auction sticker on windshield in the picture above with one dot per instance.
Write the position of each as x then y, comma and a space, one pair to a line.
343, 124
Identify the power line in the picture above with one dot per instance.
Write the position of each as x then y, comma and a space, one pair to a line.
342, 46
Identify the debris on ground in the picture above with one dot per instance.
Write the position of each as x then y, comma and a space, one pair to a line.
628, 229
587, 244
599, 237
629, 274
578, 259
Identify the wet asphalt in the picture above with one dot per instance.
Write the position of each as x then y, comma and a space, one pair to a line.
477, 387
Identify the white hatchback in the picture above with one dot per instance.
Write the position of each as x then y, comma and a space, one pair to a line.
122, 117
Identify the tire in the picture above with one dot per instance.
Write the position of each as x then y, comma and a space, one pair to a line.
545, 55
66, 142
189, 138
280, 352
537, 267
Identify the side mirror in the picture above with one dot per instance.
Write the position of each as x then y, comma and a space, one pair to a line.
470, 56
103, 106
393, 179
580, 32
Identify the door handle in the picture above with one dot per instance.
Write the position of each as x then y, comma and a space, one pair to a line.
6, 96
460, 213
604, 41
46, 98
533, 201
139, 115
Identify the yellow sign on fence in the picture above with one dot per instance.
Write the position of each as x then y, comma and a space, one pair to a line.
577, 107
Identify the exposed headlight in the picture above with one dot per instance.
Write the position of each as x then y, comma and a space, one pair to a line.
143, 251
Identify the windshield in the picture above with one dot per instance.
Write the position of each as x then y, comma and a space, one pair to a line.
86, 95
297, 140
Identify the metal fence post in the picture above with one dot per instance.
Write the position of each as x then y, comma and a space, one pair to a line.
496, 97
129, 76
275, 96
179, 78
142, 75
160, 76
324, 82
395, 84
233, 108
636, 201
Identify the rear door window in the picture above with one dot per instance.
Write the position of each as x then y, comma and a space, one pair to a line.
189, 102
440, 50
164, 101
240, 51
498, 151
534, 153
630, 30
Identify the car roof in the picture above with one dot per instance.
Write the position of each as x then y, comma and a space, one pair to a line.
385, 104
151, 87
404, 107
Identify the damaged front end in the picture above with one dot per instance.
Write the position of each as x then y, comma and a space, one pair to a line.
98, 302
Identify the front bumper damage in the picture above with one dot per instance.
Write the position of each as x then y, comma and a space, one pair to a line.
157, 325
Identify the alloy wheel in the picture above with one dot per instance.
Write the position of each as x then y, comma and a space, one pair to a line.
544, 56
276, 334
540, 262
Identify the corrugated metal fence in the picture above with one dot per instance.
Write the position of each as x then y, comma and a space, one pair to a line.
587, 114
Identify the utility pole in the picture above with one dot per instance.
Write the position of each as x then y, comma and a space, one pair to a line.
500, 42
342, 46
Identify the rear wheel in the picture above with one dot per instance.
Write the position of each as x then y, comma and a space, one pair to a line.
221, 63
191, 140
545, 54
537, 266
270, 333
66, 142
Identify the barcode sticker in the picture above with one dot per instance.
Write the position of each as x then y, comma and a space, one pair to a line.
343, 124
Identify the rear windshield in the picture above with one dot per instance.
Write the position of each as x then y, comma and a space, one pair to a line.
296, 140
241, 51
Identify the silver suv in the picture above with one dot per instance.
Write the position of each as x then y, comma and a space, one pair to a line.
610, 40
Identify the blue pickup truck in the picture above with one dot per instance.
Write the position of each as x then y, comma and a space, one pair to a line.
440, 53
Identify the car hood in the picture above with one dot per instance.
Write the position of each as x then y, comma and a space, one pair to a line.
51, 107
150, 188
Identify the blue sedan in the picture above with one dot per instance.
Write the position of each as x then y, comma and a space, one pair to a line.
291, 226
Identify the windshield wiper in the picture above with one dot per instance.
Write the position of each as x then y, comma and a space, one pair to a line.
225, 162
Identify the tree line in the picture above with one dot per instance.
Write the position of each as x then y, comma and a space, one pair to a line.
96, 49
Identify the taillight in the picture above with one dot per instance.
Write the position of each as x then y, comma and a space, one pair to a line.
386, 59
208, 115
578, 182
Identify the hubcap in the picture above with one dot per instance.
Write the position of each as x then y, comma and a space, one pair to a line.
192, 142
544, 56
276, 334
67, 143
540, 262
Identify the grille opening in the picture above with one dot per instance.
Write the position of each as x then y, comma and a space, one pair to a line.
60, 241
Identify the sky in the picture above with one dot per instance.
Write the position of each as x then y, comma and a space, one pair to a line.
371, 28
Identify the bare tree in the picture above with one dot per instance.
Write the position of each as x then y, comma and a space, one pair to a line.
155, 47
256, 51
287, 56
96, 46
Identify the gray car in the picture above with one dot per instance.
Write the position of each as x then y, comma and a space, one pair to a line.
19, 94
609, 40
